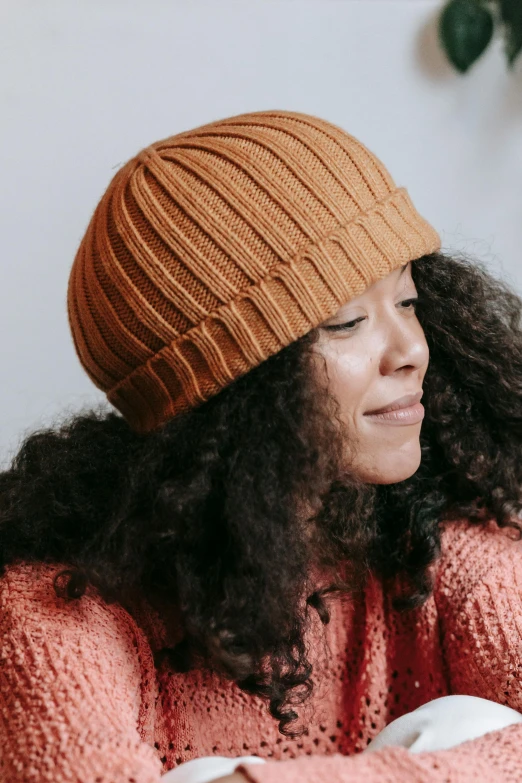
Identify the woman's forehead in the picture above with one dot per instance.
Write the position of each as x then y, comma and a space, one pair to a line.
392, 279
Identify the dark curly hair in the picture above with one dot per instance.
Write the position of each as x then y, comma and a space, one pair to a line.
225, 511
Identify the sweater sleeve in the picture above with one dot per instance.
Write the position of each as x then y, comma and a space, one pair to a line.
479, 598
74, 686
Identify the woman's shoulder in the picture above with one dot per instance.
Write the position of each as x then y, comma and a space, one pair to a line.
30, 603
28, 599
28, 587
462, 538
473, 553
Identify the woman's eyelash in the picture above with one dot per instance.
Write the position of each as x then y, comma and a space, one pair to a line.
348, 326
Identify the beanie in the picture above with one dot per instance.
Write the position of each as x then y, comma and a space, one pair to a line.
215, 248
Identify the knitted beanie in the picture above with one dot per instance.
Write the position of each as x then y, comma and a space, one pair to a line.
213, 249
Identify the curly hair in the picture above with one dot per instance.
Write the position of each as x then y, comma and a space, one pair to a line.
225, 511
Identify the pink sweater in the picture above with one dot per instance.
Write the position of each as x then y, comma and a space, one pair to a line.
80, 699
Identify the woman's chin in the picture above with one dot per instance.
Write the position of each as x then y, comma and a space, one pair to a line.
391, 469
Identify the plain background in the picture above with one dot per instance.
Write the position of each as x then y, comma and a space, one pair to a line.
85, 84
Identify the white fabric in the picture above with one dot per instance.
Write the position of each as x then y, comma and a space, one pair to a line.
445, 722
207, 768
437, 725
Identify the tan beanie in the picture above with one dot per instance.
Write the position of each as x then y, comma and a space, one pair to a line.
215, 248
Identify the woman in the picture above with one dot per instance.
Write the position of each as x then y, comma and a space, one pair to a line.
248, 560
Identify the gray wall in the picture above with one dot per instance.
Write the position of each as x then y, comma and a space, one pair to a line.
85, 85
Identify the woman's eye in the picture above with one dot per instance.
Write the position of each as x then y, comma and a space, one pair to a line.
350, 325
410, 302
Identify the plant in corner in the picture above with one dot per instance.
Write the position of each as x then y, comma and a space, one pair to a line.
466, 28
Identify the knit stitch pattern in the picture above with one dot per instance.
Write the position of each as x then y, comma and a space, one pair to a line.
81, 700
213, 249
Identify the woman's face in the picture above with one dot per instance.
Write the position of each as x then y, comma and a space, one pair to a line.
370, 364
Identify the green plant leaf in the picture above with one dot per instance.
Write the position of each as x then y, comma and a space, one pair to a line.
511, 15
465, 30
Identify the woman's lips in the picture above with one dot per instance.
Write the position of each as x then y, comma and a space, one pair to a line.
406, 401
411, 415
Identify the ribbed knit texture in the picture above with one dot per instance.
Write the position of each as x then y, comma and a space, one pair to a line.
213, 249
81, 700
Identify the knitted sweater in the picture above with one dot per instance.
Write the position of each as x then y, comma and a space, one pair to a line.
82, 701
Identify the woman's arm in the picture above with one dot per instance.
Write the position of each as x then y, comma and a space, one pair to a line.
71, 690
479, 597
